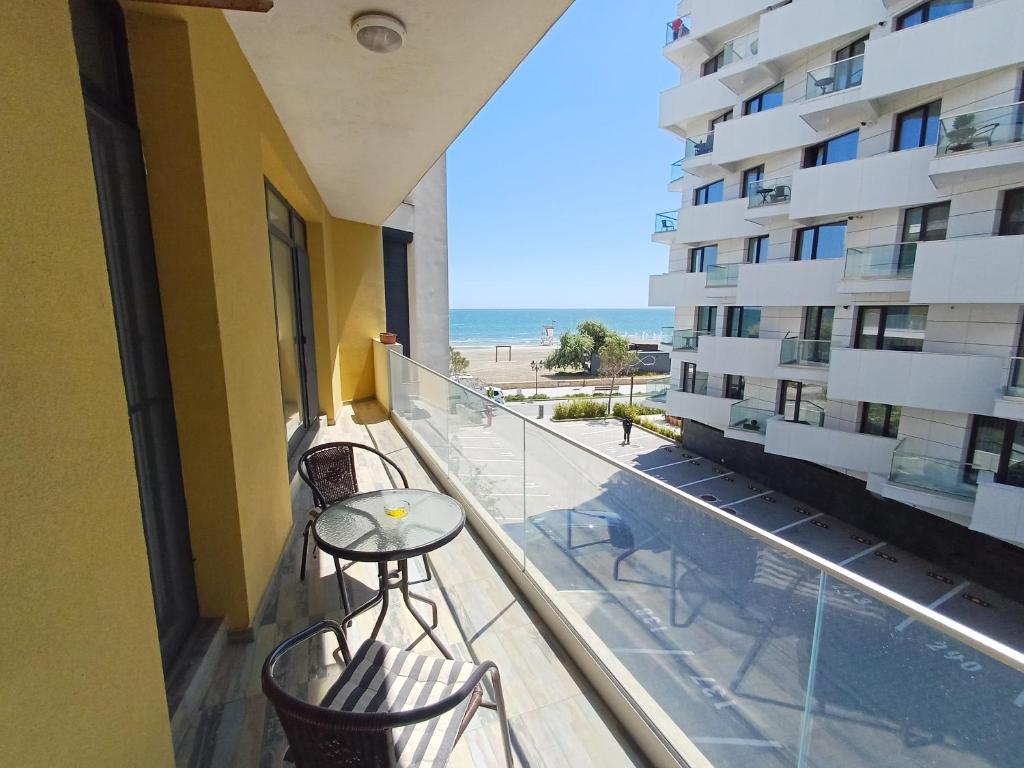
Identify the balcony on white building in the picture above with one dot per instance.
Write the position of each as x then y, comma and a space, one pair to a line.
938, 485
739, 356
969, 270
748, 420
712, 222
978, 143
788, 32
687, 340
790, 283
832, 95
889, 180
676, 176
768, 199
999, 510
665, 225
679, 289
693, 101
830, 447
707, 409
935, 381
760, 134
715, 22
804, 359
885, 268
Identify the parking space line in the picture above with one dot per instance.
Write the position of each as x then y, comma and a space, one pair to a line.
863, 552
750, 498
798, 522
952, 593
705, 479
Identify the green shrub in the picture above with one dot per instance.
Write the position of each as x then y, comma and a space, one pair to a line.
580, 409
580, 395
539, 396
661, 429
514, 398
621, 410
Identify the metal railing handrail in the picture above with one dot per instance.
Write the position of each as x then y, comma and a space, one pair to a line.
835, 63
947, 115
994, 649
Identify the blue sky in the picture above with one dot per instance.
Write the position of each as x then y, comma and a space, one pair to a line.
552, 189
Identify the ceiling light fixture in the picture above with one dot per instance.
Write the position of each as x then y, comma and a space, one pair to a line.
379, 32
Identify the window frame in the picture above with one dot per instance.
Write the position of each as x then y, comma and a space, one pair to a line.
692, 258
1009, 427
816, 313
762, 249
816, 228
748, 176
688, 379
1004, 212
731, 380
700, 194
712, 64
822, 147
883, 317
758, 98
711, 314
737, 312
886, 424
931, 110
925, 9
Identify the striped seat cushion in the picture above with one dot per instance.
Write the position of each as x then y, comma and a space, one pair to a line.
385, 679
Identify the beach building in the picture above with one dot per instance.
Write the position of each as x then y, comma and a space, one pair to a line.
846, 260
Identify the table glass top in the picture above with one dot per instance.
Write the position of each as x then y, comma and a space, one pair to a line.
392, 521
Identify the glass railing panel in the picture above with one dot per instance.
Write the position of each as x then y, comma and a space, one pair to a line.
740, 48
677, 29
667, 334
666, 222
981, 128
913, 467
676, 171
811, 352
726, 630
722, 275
810, 414
892, 260
837, 76
1015, 381
700, 145
656, 389
687, 340
769, 191
751, 415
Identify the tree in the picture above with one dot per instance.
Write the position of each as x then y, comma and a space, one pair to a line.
459, 363
596, 330
617, 359
574, 351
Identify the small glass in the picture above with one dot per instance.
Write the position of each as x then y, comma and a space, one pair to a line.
396, 508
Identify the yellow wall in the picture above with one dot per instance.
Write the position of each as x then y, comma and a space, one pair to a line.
79, 660
211, 137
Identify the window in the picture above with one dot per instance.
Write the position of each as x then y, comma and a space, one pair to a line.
757, 249
709, 193
722, 118
856, 48
825, 241
713, 64
1011, 221
733, 387
692, 380
930, 11
835, 150
917, 127
927, 222
818, 323
702, 258
849, 65
743, 322
765, 100
706, 320
751, 176
899, 328
997, 446
880, 419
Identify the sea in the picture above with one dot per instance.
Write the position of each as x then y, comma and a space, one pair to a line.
483, 327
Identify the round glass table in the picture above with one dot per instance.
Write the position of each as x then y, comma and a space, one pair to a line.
387, 526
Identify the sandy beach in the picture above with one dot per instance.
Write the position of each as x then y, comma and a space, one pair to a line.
517, 372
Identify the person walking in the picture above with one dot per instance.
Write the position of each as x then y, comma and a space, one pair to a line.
627, 426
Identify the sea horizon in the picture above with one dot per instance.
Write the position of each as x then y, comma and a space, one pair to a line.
478, 326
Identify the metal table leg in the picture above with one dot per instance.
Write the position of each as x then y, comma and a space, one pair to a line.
407, 597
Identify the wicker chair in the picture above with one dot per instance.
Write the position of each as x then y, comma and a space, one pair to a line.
362, 722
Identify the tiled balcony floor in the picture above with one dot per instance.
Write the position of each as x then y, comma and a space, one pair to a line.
556, 718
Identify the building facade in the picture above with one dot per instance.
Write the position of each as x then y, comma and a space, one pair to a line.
846, 262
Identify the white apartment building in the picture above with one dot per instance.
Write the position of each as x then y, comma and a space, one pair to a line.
847, 263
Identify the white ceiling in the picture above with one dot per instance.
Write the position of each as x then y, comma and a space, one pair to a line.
367, 126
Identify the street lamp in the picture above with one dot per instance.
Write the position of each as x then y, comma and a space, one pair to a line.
645, 362
536, 374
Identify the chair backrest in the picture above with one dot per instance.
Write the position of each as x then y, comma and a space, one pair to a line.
330, 471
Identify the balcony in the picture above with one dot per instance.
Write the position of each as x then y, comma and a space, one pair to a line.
700, 406
680, 289
768, 192
665, 226
832, 95
667, 334
974, 145
677, 29
655, 394
687, 341
761, 134
930, 482
791, 30
969, 270
692, 103
889, 180
722, 276
809, 353
739, 355
936, 381
742, 67
999, 510
713, 222
834, 448
883, 268
748, 420
790, 283
650, 587
676, 176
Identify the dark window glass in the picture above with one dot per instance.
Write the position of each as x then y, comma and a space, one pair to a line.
709, 193
927, 222
764, 101
1011, 222
693, 380
856, 48
757, 249
722, 118
997, 446
917, 127
880, 419
703, 257
751, 176
818, 323
733, 387
789, 400
930, 11
743, 322
825, 241
713, 64
706, 319
899, 328
835, 150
